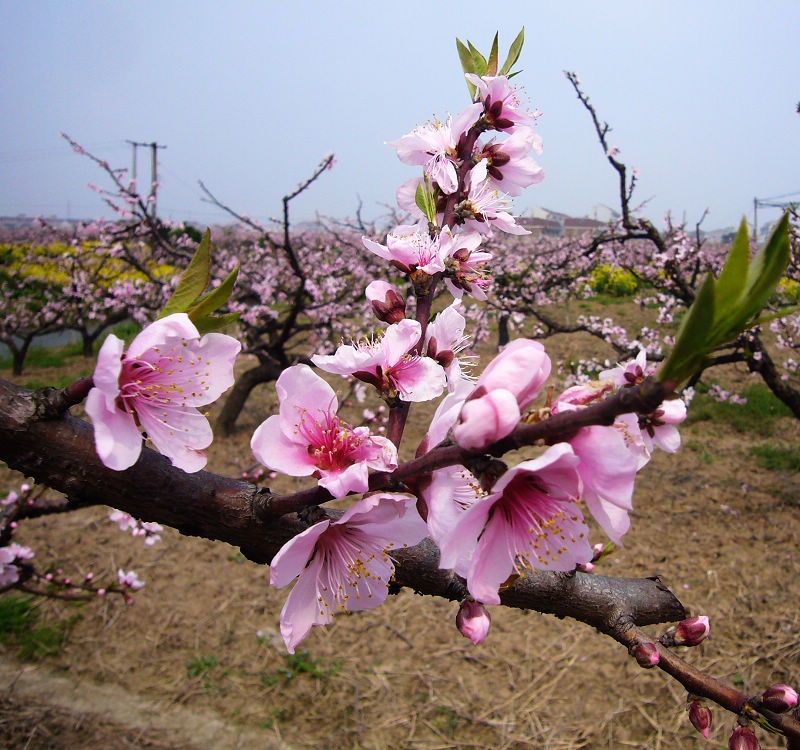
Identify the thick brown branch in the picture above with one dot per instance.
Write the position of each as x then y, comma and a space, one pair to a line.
60, 452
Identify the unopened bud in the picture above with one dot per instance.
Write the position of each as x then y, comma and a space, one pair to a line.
473, 621
586, 567
779, 698
387, 304
646, 654
700, 716
692, 631
743, 739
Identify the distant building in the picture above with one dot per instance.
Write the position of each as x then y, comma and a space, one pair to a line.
577, 227
541, 227
544, 222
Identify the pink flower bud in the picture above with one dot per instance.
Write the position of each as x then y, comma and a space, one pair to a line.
101, 592
646, 654
700, 716
743, 739
586, 567
486, 419
779, 698
522, 368
473, 621
387, 304
692, 631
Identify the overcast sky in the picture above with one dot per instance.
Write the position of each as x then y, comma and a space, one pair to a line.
249, 96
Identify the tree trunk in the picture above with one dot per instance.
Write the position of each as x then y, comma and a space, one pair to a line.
503, 336
234, 403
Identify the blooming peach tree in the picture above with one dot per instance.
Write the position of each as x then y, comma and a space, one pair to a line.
456, 521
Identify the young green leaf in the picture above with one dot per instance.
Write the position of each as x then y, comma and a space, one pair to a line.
491, 65
731, 281
209, 324
691, 341
478, 60
194, 280
513, 53
421, 199
214, 299
464, 56
767, 267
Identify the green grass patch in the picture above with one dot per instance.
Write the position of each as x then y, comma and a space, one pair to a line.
701, 450
781, 457
20, 628
296, 664
756, 417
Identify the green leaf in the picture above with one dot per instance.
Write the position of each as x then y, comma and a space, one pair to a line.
513, 53
214, 299
478, 60
732, 280
491, 65
421, 198
767, 268
691, 341
464, 56
194, 280
209, 324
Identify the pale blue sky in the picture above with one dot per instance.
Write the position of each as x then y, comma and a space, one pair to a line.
248, 96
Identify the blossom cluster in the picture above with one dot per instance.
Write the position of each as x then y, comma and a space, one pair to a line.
489, 529
529, 517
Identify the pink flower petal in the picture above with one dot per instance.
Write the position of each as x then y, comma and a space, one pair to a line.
116, 437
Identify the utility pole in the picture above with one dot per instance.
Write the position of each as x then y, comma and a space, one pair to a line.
153, 146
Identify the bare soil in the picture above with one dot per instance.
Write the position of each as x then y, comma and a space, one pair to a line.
718, 529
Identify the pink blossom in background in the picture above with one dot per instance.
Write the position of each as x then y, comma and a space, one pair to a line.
388, 364
343, 565
307, 437
9, 573
129, 580
531, 519
125, 521
155, 388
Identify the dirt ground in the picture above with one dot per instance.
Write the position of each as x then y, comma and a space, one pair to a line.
197, 661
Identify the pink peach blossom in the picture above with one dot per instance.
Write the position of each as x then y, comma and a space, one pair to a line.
388, 364
307, 437
155, 387
343, 565
531, 519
